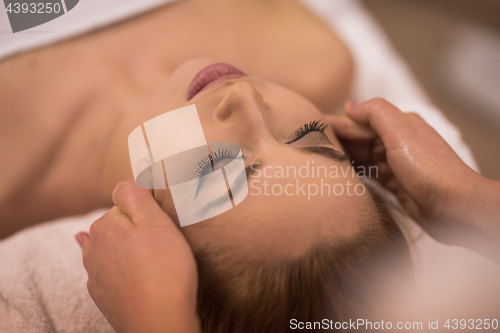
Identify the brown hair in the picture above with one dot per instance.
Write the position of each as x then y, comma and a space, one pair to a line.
334, 280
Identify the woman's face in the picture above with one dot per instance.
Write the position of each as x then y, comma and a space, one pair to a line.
284, 212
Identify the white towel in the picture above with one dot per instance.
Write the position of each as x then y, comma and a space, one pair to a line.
87, 15
42, 280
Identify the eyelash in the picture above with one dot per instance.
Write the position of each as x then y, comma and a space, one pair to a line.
211, 159
313, 126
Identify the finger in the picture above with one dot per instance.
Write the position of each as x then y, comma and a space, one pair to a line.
83, 240
393, 185
415, 117
359, 153
347, 129
111, 222
139, 205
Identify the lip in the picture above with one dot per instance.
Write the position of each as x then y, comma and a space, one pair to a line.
212, 76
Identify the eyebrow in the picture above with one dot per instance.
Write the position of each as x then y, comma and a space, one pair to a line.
319, 150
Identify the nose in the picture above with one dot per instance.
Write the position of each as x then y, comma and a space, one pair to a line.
244, 105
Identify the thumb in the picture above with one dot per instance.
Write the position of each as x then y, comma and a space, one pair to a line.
384, 118
347, 129
139, 205
83, 240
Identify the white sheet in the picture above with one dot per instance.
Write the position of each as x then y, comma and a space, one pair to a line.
86, 16
42, 280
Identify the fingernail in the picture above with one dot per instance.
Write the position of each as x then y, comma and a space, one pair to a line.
79, 238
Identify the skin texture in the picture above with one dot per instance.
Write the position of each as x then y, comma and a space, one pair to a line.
157, 284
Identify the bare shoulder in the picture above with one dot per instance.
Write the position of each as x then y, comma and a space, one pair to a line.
57, 102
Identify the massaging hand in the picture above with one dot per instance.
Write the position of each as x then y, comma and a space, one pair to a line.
142, 273
453, 203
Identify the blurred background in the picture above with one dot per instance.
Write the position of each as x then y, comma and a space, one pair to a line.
453, 48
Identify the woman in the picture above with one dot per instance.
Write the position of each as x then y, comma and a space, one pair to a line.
280, 256
445, 192
79, 86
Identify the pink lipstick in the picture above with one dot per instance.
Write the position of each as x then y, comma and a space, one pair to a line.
212, 76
